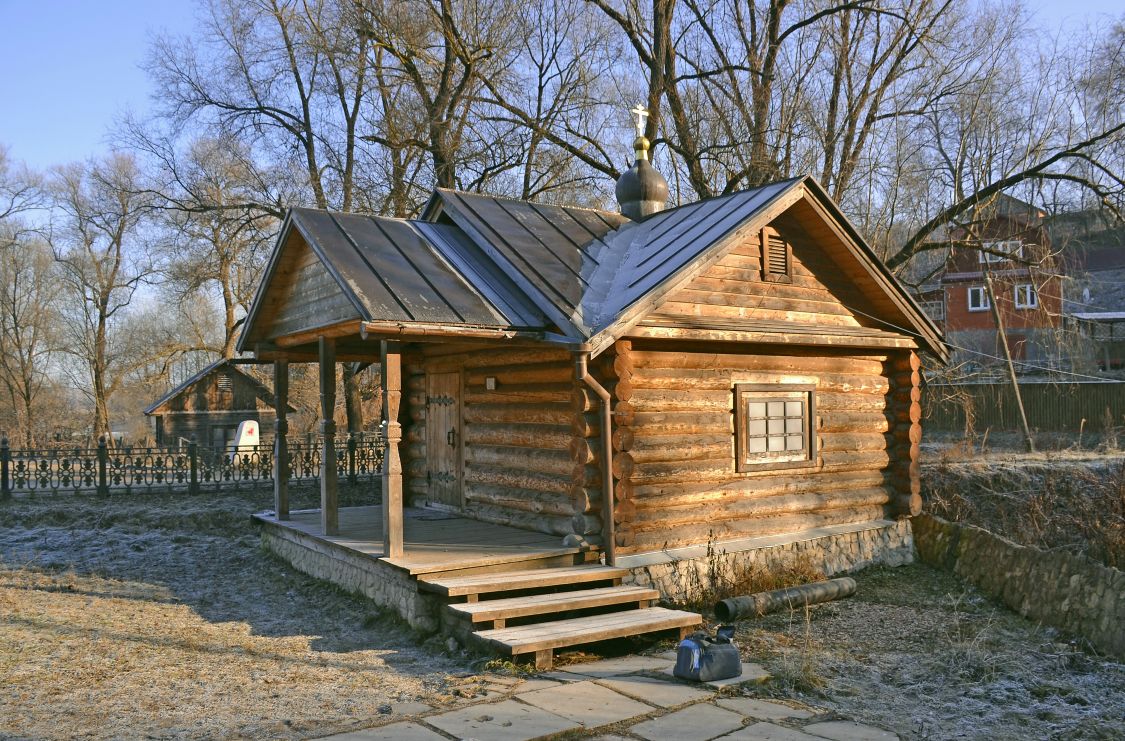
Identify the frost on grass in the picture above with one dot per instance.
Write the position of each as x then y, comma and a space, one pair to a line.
162, 616
917, 652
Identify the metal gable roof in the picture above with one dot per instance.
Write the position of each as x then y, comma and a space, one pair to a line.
492, 262
406, 271
546, 249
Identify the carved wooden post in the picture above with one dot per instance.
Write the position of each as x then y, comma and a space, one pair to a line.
280, 444
329, 501
391, 359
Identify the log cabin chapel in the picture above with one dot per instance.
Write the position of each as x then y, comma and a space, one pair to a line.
587, 412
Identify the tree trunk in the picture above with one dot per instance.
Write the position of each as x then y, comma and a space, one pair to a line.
353, 401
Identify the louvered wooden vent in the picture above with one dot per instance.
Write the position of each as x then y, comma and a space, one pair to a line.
776, 256
225, 383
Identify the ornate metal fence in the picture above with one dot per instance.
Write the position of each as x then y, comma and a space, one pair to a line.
129, 470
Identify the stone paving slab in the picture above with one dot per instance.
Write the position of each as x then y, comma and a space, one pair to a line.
502, 721
621, 665
751, 673
392, 732
768, 732
410, 708
531, 685
694, 723
658, 692
763, 709
587, 704
847, 730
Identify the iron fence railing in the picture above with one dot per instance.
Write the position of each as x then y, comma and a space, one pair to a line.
189, 468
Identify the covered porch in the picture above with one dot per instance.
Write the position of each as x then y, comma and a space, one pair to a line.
432, 541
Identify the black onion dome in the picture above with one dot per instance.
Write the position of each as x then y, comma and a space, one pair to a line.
641, 190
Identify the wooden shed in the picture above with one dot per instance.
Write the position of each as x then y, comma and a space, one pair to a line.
704, 379
209, 406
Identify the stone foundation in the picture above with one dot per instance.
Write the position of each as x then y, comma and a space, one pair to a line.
382, 583
681, 574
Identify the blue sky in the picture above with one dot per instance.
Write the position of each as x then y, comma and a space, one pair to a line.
70, 68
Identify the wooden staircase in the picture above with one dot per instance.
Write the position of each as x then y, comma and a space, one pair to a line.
554, 608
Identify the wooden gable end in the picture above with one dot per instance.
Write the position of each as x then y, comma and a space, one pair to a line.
779, 276
301, 294
221, 390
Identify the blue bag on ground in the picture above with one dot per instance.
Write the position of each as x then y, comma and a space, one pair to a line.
701, 658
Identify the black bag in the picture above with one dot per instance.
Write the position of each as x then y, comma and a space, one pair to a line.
701, 658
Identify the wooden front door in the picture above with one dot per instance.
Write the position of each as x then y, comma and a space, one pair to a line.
443, 437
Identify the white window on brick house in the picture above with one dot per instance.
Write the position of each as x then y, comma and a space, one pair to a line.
978, 299
999, 251
1026, 296
773, 426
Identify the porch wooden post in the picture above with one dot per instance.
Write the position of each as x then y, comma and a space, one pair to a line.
391, 358
280, 444
329, 502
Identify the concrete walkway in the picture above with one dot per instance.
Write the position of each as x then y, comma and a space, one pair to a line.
632, 697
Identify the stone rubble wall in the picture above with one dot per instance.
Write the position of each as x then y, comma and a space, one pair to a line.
1060, 589
681, 580
385, 585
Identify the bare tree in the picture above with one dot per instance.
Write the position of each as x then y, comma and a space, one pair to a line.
96, 240
28, 327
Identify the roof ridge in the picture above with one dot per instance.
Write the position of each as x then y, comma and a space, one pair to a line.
513, 199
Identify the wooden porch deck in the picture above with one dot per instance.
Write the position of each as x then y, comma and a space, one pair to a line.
433, 541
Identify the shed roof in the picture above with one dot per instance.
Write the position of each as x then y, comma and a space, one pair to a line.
577, 276
223, 364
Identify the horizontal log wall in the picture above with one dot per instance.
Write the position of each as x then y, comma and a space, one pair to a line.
517, 465
814, 294
675, 454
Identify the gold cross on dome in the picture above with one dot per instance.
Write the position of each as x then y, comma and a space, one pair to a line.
642, 116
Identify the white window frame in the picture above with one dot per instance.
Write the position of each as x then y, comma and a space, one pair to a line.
1032, 296
981, 291
1012, 248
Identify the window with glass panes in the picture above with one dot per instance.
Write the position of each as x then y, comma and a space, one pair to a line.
773, 425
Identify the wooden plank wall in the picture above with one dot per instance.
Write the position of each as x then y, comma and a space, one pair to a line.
675, 455
517, 466
302, 294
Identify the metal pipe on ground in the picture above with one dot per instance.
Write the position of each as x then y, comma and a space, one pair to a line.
763, 603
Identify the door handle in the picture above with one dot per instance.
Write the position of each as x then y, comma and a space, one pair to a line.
451, 436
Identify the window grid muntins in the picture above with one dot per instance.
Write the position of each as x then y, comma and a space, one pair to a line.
775, 428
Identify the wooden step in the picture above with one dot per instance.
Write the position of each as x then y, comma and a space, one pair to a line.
508, 581
499, 610
542, 638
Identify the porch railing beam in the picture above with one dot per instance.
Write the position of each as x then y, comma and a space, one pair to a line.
391, 358
329, 495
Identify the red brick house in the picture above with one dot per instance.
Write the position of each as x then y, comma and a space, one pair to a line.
1010, 243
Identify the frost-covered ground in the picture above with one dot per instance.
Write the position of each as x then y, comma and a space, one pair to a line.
917, 652
163, 617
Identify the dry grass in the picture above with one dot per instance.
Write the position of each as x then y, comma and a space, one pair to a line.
1078, 506
918, 653
164, 617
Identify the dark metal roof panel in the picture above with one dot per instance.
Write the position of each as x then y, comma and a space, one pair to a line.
397, 273
543, 247
638, 258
